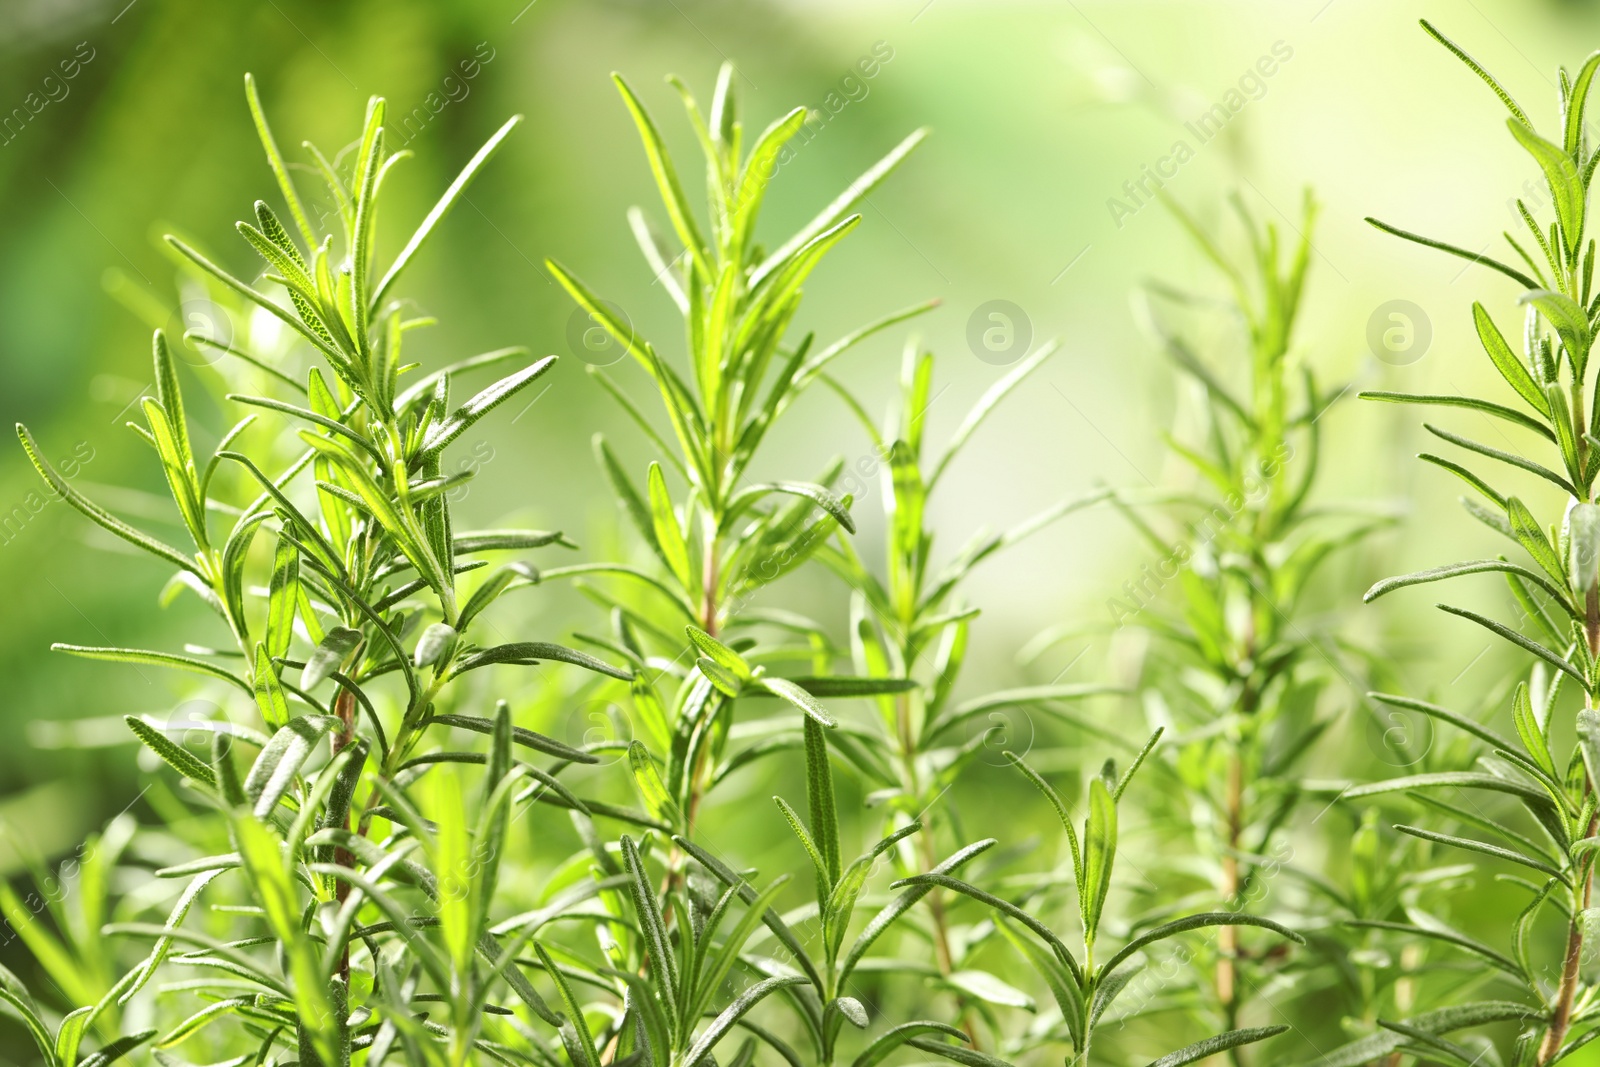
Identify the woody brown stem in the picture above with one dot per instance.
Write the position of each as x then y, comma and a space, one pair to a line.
1228, 936
344, 706
1561, 1017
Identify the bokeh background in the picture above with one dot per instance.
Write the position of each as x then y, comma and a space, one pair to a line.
1040, 113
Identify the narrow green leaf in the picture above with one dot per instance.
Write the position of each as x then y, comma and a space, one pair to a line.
841, 206
526, 738
828, 502
330, 655
1376, 1046
1476, 68
112, 1051
506, 541
666, 177
631, 501
1524, 643
1506, 362
270, 698
663, 961
1460, 722
283, 595
328, 422
1099, 855
1211, 1046
278, 766
1058, 804
99, 515
575, 1036
896, 1036
793, 694
163, 945
1493, 264
262, 853
280, 171
749, 998
530, 652
1504, 457
1004, 907
483, 403
202, 1018
845, 686
335, 358
1530, 731
652, 790
824, 877
174, 755
439, 209
823, 808
987, 403
1456, 570
668, 534
1196, 922
69, 1035
1528, 794
170, 397
1499, 411
1452, 937
1561, 173
719, 653
759, 168
1478, 511
158, 659
1483, 848
182, 479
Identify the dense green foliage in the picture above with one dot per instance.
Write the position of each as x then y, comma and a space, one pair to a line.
363, 857
1559, 596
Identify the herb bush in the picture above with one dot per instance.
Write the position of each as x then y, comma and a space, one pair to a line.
1547, 836
365, 858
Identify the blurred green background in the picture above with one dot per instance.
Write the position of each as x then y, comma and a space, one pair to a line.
1040, 113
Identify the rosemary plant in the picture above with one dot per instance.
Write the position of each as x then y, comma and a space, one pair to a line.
1240, 663
367, 866
1559, 626
349, 895
1083, 989
717, 550
726, 538
913, 621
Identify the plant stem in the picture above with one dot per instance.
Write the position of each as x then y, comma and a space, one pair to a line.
943, 956
344, 706
1591, 622
941, 930
1561, 1015
710, 609
1228, 936
1233, 807
709, 602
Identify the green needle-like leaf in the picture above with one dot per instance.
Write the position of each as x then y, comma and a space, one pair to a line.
1211, 1046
